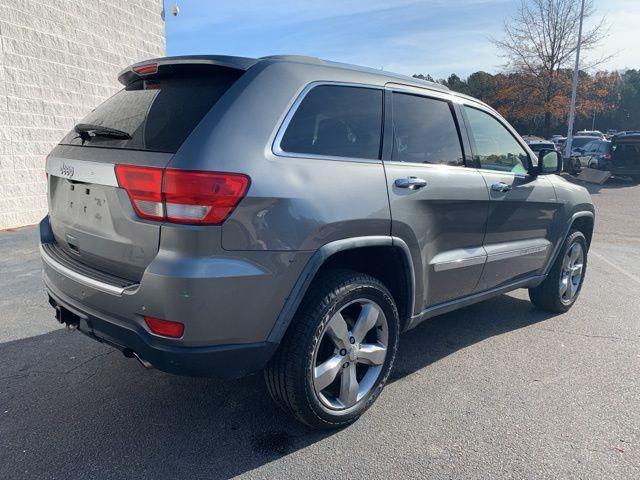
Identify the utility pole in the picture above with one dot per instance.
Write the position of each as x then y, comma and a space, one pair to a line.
574, 88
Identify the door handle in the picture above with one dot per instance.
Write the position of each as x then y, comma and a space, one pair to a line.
411, 183
500, 187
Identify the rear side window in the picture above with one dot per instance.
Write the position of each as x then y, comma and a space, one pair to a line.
336, 121
496, 148
424, 131
157, 113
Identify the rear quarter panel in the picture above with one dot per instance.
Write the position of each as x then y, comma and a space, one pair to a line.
293, 203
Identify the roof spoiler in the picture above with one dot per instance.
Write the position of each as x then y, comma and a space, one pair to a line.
155, 65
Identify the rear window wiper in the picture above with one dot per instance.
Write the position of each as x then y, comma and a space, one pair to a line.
86, 130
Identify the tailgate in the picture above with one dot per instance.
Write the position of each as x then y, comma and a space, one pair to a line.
626, 154
91, 218
143, 125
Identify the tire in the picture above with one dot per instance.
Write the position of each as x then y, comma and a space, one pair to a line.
292, 376
551, 295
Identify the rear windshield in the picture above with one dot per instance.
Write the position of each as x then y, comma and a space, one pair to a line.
158, 113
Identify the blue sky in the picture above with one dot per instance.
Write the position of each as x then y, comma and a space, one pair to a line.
433, 36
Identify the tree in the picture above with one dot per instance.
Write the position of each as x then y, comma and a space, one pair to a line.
540, 43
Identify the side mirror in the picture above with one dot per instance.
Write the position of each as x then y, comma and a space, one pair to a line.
549, 161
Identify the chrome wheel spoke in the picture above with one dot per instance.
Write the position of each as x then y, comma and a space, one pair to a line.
570, 288
349, 386
575, 252
576, 269
325, 373
338, 331
564, 286
372, 354
366, 321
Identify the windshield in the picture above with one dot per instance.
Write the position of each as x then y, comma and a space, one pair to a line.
154, 114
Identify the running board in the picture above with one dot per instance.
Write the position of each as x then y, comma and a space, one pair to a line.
447, 307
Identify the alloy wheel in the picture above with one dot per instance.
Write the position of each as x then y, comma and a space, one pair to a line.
571, 276
350, 354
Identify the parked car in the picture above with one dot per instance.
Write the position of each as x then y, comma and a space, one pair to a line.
620, 156
220, 216
576, 162
591, 133
538, 145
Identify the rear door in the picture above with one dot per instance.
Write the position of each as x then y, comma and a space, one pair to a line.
438, 206
144, 124
522, 207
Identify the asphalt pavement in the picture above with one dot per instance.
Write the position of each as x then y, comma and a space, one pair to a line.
496, 390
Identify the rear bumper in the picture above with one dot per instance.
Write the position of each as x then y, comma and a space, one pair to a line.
221, 361
228, 302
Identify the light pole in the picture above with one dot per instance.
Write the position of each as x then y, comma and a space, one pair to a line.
574, 88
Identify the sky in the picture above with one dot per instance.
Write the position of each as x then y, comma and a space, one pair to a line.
438, 37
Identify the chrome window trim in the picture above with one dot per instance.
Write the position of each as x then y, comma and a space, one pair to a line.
399, 163
83, 279
82, 171
278, 151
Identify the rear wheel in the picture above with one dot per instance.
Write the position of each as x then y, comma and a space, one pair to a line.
336, 356
561, 288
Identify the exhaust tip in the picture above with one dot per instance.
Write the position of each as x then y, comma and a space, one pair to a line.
131, 354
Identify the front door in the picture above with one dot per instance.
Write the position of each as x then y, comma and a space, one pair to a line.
522, 206
438, 206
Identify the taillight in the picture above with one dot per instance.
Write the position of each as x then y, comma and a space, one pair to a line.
166, 328
182, 196
144, 187
146, 69
202, 197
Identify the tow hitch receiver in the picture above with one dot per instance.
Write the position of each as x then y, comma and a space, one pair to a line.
69, 319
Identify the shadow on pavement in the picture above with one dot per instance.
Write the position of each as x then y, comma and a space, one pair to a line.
612, 183
70, 407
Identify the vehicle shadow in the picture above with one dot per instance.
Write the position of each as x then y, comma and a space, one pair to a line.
72, 408
612, 183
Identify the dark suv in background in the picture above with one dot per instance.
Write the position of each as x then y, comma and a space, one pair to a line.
620, 155
221, 215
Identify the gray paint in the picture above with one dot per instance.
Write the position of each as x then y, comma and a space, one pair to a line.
241, 282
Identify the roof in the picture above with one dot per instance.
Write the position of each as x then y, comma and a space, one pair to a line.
244, 63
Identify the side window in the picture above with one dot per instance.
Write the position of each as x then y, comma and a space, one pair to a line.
591, 147
424, 131
336, 121
496, 148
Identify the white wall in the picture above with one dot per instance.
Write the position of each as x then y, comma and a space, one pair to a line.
58, 60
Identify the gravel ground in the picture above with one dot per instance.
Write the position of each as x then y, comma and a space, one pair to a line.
496, 390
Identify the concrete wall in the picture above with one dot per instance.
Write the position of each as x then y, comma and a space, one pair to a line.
58, 60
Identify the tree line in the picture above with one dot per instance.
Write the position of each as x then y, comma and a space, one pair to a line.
612, 97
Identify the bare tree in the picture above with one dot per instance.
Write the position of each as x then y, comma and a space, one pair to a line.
540, 41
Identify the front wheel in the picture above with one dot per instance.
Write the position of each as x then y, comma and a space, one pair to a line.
559, 291
337, 354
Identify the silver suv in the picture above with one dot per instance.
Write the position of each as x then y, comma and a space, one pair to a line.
220, 216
